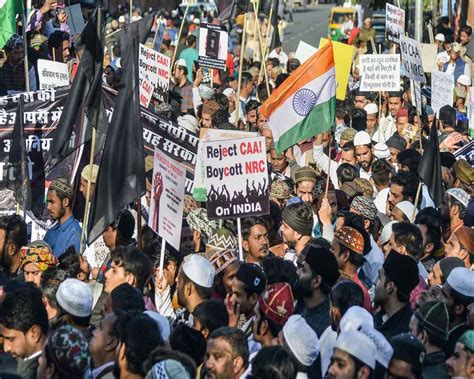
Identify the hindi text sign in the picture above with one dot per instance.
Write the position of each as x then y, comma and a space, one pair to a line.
442, 86
394, 22
52, 74
380, 72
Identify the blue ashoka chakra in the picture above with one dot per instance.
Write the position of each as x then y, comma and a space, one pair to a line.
304, 101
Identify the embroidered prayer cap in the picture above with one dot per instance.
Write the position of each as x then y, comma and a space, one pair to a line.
460, 195
168, 369
433, 317
15, 42
199, 270
365, 187
365, 207
464, 171
75, 297
280, 190
62, 187
397, 142
467, 339
90, 171
383, 349
38, 253
69, 351
381, 151
362, 138
222, 239
348, 134
407, 208
301, 339
197, 220
206, 92
305, 173
277, 302
222, 259
350, 238
358, 345
461, 279
355, 317
253, 276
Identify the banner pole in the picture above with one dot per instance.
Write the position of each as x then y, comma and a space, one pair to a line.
266, 37
162, 257
179, 34
265, 73
239, 232
25, 61
329, 166
241, 63
416, 201
139, 223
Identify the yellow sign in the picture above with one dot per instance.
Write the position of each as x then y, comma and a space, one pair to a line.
343, 60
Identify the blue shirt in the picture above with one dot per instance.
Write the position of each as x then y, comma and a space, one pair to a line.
61, 236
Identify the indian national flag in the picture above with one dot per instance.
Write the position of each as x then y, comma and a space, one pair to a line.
304, 105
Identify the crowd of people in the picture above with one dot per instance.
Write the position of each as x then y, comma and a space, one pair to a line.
356, 272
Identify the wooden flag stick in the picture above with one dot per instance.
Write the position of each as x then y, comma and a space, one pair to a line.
418, 191
239, 235
266, 37
139, 223
329, 166
25, 61
241, 63
179, 34
262, 50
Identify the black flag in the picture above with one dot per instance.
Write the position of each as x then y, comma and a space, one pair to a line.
121, 178
18, 176
429, 168
85, 93
276, 42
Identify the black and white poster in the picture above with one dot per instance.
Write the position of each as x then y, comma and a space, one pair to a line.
394, 22
213, 45
236, 178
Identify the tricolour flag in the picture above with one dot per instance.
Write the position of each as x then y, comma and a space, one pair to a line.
304, 105
8, 11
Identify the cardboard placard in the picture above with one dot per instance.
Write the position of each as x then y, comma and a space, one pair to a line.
213, 45
442, 87
52, 74
206, 134
411, 59
75, 19
304, 51
394, 22
154, 69
236, 178
379, 72
429, 53
167, 198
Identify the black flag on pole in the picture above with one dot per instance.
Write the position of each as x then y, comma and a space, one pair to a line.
276, 41
18, 179
85, 94
121, 178
429, 168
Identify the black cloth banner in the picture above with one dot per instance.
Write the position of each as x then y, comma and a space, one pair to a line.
42, 111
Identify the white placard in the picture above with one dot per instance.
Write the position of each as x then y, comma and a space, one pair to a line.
154, 73
429, 53
304, 51
411, 59
442, 87
379, 72
236, 178
167, 198
52, 74
206, 134
394, 22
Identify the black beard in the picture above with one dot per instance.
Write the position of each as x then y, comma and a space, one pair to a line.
302, 290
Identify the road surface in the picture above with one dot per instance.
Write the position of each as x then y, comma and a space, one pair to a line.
310, 25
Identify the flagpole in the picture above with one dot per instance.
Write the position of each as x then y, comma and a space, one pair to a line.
91, 159
416, 200
139, 223
329, 166
241, 63
25, 49
262, 66
261, 46
179, 34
